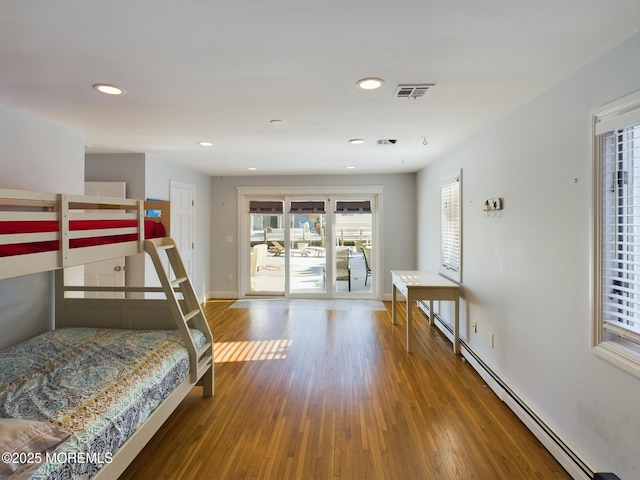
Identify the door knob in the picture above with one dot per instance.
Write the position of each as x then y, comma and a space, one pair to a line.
118, 268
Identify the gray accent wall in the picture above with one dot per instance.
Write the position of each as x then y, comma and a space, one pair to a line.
149, 177
118, 167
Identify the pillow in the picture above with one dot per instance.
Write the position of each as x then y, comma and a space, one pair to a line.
26, 442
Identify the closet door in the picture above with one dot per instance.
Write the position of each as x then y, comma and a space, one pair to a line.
108, 273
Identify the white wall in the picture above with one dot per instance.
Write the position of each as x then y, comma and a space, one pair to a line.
526, 273
35, 154
398, 222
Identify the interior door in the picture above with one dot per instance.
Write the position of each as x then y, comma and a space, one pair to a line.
182, 221
108, 273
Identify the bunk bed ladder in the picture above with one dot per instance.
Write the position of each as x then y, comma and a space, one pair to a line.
187, 312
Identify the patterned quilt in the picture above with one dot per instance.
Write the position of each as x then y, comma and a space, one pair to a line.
97, 384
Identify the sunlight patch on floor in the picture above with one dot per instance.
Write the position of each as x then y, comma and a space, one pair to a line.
251, 351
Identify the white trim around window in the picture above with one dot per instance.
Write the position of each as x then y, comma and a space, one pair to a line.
616, 233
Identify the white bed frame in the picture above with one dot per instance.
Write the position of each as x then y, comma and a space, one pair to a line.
179, 309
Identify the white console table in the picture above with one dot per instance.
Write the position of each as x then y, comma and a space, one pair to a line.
415, 285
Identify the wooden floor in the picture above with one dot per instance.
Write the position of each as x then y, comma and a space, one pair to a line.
317, 394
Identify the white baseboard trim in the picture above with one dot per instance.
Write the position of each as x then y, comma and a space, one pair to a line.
559, 449
232, 295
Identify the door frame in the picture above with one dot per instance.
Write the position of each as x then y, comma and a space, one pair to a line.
245, 194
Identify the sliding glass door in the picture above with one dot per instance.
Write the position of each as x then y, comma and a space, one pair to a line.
266, 247
309, 246
353, 224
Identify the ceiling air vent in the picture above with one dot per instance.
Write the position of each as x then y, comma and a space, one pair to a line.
412, 91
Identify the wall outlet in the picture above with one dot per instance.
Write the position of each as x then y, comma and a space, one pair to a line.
229, 277
229, 238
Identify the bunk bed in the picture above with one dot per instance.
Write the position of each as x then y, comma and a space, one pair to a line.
82, 401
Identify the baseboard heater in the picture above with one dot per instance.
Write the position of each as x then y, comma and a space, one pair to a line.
552, 442
606, 476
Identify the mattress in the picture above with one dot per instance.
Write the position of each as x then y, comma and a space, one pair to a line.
98, 385
152, 229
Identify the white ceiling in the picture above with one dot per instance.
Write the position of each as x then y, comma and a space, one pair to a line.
221, 70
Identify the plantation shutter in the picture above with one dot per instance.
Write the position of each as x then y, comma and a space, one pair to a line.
451, 228
619, 140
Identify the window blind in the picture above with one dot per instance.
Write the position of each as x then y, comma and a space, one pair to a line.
265, 207
308, 207
621, 231
451, 230
353, 207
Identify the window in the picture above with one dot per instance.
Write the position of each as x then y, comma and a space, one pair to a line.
616, 319
451, 228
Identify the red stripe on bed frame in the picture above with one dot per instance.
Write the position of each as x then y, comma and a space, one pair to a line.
152, 229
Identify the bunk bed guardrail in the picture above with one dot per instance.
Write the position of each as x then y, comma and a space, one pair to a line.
42, 231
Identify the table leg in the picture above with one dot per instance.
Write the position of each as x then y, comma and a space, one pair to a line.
409, 321
394, 294
456, 324
431, 322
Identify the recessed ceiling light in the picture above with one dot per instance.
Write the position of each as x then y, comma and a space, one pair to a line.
276, 121
356, 141
350, 167
205, 144
108, 89
370, 83
253, 169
